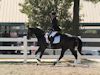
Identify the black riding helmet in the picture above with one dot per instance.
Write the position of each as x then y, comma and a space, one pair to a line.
53, 13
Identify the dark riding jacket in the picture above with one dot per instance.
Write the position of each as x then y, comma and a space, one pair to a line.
55, 26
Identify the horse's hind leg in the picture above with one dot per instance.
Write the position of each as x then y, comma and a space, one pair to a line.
61, 55
74, 52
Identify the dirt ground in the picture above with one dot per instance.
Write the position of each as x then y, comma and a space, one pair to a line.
44, 69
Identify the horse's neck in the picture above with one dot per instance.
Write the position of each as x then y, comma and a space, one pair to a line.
39, 37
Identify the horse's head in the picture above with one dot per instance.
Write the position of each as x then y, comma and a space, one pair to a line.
38, 32
29, 33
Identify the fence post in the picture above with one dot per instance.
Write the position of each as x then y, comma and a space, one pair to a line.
25, 48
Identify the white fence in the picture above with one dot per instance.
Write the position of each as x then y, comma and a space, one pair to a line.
90, 40
25, 48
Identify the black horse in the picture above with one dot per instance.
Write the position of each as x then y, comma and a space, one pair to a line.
67, 42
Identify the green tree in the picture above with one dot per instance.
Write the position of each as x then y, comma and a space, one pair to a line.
38, 12
75, 23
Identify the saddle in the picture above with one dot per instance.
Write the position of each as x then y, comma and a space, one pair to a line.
54, 36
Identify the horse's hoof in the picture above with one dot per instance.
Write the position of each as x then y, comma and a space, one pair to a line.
39, 60
54, 63
73, 65
37, 64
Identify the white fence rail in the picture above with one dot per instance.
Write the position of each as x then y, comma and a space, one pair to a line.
90, 40
25, 47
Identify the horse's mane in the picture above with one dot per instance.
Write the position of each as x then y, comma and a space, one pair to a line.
69, 35
38, 32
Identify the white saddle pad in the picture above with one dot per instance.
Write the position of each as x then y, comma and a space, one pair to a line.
53, 34
56, 40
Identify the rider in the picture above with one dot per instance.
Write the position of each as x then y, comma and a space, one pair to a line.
54, 28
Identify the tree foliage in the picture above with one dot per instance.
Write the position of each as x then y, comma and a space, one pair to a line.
75, 26
38, 12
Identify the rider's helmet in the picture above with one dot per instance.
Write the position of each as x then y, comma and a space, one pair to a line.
53, 13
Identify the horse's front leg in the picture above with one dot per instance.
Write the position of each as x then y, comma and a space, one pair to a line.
40, 52
37, 55
61, 55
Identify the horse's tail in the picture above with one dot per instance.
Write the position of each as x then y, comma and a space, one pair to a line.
79, 45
